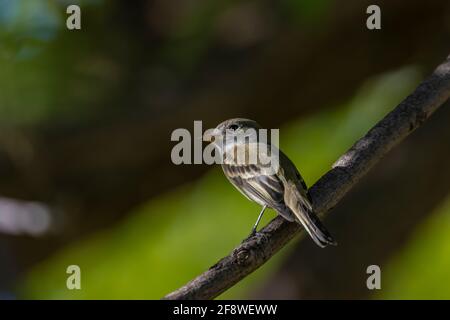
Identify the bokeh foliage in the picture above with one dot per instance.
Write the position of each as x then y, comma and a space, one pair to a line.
48, 78
421, 270
173, 238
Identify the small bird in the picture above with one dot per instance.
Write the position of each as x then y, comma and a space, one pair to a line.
278, 186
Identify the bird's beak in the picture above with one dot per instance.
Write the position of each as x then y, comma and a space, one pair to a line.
211, 134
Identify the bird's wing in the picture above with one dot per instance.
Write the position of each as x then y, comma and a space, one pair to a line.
257, 185
298, 200
291, 174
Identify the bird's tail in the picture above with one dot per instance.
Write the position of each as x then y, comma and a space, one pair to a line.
315, 228
303, 211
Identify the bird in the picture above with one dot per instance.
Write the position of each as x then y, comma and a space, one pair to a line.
278, 186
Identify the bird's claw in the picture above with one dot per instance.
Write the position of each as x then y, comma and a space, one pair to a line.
255, 234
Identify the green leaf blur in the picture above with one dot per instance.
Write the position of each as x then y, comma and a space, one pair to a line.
173, 238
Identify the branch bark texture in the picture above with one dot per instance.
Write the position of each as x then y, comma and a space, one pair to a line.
410, 114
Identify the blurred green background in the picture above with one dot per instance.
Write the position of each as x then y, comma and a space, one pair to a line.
85, 123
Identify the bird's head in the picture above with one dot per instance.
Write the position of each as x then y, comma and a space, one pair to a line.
232, 128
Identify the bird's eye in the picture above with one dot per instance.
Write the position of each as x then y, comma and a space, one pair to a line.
234, 127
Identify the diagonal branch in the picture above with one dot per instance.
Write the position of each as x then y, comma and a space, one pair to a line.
410, 114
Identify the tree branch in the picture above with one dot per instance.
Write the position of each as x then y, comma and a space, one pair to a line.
410, 114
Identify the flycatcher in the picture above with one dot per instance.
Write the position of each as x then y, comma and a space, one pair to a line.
265, 175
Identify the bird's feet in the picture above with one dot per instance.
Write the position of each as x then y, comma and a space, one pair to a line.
253, 233
259, 236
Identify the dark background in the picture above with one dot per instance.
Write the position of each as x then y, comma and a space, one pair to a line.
86, 117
